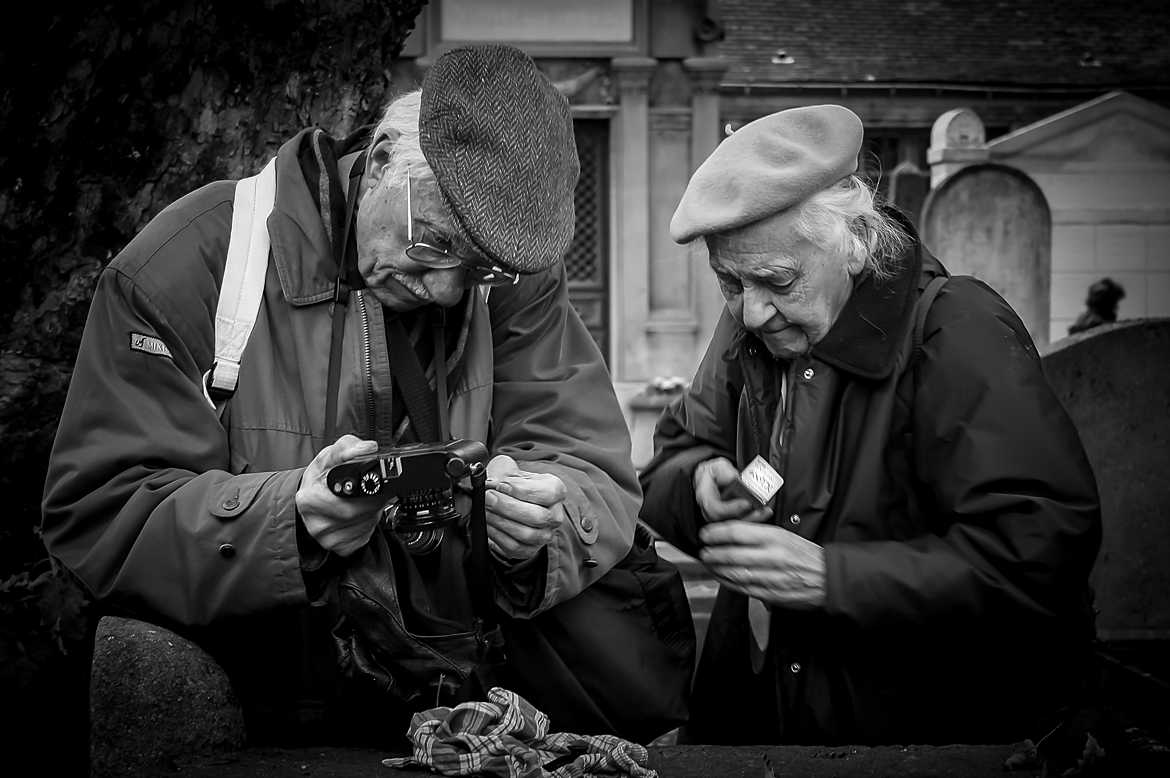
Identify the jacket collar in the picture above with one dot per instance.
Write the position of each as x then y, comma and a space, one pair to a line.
868, 333
301, 248
865, 338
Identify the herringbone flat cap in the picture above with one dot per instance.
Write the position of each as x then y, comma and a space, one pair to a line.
499, 138
768, 166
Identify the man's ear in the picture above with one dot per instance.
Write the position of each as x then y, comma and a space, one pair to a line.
378, 160
854, 264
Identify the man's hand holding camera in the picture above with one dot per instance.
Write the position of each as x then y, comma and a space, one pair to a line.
522, 512
749, 556
340, 526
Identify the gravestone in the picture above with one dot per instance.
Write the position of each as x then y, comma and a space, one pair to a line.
909, 185
992, 222
1114, 381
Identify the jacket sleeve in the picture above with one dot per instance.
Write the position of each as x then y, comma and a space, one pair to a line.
699, 425
554, 410
140, 501
1014, 515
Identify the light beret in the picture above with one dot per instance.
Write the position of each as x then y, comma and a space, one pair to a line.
499, 138
768, 166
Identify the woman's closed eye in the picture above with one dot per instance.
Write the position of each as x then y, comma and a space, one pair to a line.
730, 285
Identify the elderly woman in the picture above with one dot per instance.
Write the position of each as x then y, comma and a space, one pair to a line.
906, 558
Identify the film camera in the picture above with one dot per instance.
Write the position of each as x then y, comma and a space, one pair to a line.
418, 482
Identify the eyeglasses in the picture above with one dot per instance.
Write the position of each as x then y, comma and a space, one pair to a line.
439, 258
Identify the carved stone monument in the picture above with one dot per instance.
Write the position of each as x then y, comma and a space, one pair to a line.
957, 139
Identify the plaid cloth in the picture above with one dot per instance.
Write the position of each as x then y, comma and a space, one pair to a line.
507, 736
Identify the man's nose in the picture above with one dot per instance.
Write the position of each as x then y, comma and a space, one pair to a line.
447, 285
757, 308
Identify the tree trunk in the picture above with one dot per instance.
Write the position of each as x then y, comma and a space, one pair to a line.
107, 114
113, 112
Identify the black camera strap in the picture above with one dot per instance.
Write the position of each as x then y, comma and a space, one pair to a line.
480, 579
439, 331
407, 372
424, 408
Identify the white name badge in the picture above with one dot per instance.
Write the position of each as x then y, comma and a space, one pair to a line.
761, 480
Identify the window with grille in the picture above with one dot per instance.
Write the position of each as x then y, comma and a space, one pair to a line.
587, 261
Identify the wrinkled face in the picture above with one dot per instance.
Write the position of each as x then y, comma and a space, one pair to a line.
783, 288
385, 227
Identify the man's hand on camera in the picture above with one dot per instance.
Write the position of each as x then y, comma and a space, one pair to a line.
522, 512
711, 478
340, 526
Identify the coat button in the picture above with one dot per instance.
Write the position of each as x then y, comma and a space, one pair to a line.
809, 373
231, 503
794, 668
589, 562
587, 524
794, 519
227, 551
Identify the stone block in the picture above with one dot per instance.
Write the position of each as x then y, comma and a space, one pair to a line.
1121, 247
1069, 292
909, 186
1157, 294
1073, 247
155, 698
1158, 247
645, 410
1114, 381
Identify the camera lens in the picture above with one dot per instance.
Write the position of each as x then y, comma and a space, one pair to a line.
421, 542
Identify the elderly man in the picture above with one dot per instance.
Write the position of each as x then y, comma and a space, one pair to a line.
384, 249
905, 556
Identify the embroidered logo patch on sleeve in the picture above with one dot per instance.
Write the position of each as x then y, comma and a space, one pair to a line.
149, 344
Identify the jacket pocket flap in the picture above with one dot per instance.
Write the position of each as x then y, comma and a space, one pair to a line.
237, 495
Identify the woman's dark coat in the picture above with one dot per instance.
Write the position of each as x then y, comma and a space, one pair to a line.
957, 510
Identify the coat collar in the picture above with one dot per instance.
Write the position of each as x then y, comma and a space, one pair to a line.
868, 332
301, 248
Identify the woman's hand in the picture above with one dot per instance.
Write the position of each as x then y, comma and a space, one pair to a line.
711, 478
767, 562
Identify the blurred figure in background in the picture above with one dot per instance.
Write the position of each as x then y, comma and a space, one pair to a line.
1104, 295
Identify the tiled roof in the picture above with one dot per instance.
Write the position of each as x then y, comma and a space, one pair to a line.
996, 42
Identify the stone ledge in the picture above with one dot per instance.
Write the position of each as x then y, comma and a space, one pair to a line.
975, 761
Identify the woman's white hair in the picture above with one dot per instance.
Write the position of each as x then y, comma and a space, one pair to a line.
845, 219
400, 122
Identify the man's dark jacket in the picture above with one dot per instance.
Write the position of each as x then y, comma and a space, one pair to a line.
953, 498
166, 512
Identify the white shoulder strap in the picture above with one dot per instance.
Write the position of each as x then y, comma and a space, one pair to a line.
243, 283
